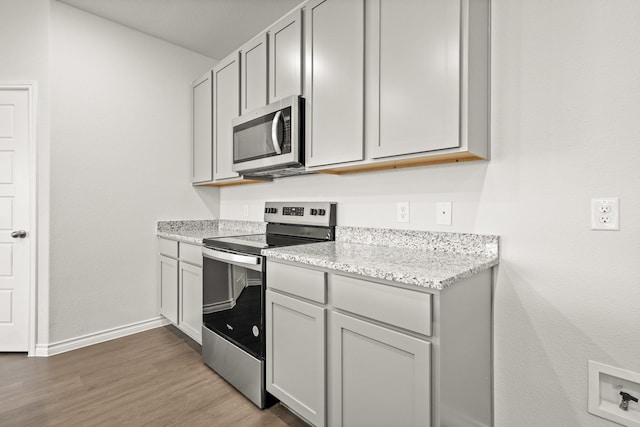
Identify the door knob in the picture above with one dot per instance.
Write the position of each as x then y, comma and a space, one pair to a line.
19, 234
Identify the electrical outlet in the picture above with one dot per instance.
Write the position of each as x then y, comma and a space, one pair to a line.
402, 212
443, 213
605, 213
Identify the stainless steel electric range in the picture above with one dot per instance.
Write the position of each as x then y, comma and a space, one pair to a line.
234, 276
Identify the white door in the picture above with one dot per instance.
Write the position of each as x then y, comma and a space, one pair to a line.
14, 220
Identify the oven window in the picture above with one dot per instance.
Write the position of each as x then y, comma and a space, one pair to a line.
233, 301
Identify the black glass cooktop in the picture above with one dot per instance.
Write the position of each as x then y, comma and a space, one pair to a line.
254, 243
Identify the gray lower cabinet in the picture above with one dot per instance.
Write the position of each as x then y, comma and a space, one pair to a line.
190, 300
379, 377
180, 280
394, 356
169, 288
296, 362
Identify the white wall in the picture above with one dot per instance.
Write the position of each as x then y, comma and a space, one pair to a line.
120, 161
565, 106
24, 57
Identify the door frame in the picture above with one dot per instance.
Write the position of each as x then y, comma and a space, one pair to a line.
31, 88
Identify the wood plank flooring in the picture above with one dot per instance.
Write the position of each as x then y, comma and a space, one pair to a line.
154, 378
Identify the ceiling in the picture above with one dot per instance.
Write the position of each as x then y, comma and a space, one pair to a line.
213, 28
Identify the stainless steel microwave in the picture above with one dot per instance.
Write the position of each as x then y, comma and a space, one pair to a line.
269, 141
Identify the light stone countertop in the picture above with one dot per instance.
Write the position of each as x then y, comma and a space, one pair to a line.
430, 260
415, 258
194, 231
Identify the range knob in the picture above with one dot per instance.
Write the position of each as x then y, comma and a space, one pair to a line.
274, 210
314, 211
266, 210
321, 211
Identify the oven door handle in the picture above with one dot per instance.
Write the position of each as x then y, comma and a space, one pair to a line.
226, 256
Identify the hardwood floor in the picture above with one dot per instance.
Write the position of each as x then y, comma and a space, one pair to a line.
154, 378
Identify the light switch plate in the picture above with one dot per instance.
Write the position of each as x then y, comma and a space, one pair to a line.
443, 213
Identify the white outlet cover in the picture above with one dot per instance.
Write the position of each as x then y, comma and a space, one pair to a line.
605, 384
402, 212
443, 213
605, 213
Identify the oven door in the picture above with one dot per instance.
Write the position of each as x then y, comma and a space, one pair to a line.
233, 298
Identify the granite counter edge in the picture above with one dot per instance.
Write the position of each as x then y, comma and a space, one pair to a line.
390, 276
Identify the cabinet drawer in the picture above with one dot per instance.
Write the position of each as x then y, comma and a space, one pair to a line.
168, 247
191, 254
395, 306
302, 282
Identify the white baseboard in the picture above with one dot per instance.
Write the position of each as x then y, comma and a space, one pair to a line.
45, 350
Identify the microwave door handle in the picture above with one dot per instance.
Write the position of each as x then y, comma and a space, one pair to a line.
274, 132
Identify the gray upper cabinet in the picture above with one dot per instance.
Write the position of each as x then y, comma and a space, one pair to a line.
418, 75
390, 85
226, 106
426, 83
202, 153
334, 79
253, 60
285, 56
218, 97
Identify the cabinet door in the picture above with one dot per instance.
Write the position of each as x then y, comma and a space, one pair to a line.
190, 295
226, 106
334, 81
296, 355
285, 56
379, 377
202, 160
253, 60
418, 75
169, 288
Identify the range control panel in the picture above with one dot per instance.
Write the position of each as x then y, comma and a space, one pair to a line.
306, 213
293, 210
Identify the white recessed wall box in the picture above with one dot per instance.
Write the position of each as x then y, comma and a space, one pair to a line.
614, 393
